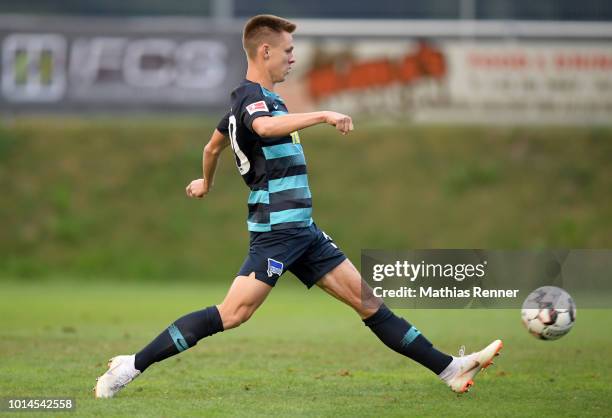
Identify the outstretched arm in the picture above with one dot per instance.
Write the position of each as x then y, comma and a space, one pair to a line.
275, 126
200, 187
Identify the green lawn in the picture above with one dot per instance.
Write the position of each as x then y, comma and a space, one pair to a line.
102, 200
302, 354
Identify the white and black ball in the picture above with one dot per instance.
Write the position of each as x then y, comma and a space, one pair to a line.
549, 313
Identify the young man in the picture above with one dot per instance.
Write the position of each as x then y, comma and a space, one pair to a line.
264, 138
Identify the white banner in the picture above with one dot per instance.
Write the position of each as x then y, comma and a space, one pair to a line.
456, 81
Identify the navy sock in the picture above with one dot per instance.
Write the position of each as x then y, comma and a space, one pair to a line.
397, 334
184, 333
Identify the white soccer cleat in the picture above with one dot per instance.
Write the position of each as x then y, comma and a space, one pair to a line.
467, 367
120, 372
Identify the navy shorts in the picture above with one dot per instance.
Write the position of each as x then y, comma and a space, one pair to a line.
309, 253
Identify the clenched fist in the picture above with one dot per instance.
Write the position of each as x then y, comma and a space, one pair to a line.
197, 188
343, 123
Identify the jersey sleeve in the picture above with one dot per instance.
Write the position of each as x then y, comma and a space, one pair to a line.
223, 124
250, 106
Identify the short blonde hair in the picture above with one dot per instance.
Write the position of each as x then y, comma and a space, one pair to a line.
260, 29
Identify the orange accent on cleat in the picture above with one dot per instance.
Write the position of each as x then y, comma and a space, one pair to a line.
463, 380
466, 387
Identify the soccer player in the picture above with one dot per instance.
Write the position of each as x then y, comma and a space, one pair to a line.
283, 236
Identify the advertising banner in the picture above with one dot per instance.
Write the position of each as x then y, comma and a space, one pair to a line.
116, 64
483, 81
75, 64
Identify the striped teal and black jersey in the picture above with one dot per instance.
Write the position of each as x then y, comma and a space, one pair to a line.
273, 168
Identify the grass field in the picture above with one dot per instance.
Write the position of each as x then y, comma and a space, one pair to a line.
302, 354
100, 250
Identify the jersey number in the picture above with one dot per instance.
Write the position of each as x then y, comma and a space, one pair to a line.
242, 162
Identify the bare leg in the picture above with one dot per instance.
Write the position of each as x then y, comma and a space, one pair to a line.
243, 298
345, 284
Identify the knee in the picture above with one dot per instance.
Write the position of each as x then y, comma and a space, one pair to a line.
233, 317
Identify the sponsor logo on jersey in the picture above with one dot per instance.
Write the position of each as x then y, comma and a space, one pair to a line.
295, 137
274, 267
259, 106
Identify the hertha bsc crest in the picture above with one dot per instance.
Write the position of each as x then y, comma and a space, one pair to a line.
274, 267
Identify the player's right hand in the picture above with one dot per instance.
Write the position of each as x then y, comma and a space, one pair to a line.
343, 123
197, 189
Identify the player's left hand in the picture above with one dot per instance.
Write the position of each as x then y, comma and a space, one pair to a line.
197, 188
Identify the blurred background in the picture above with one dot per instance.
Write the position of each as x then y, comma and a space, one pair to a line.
479, 124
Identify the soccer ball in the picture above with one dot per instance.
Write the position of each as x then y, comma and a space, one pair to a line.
548, 313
